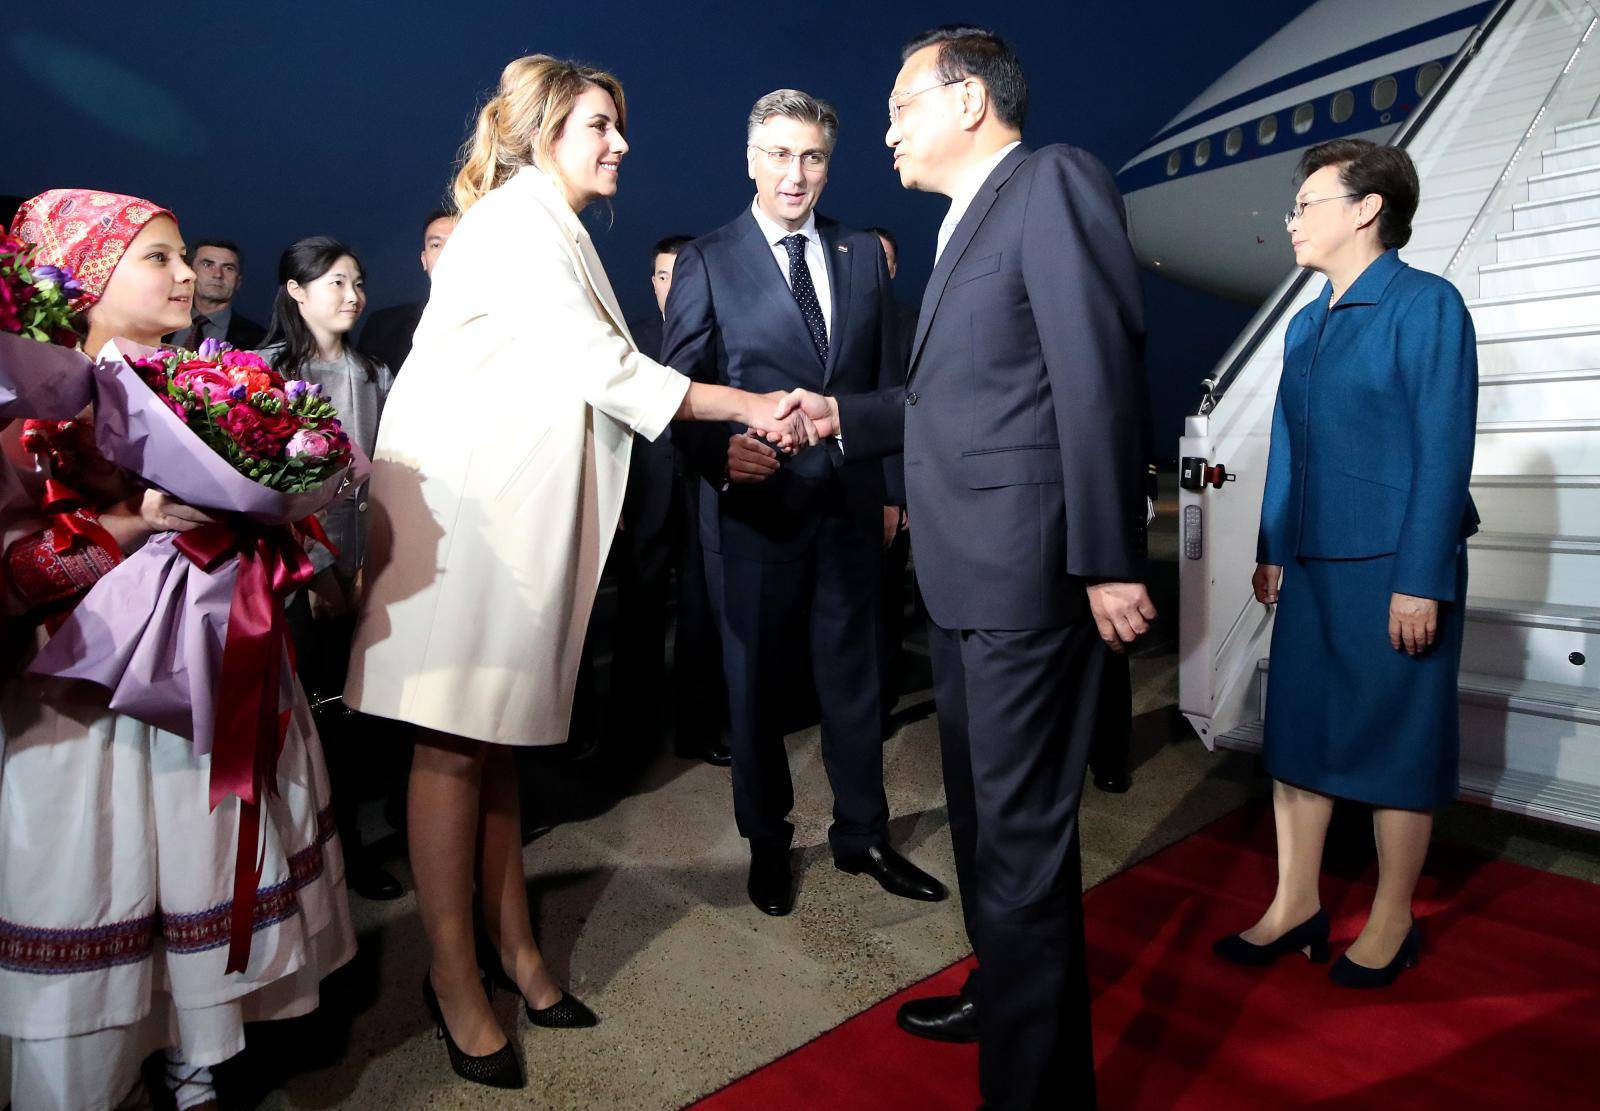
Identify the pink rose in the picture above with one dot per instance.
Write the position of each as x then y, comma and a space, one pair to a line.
207, 381
309, 444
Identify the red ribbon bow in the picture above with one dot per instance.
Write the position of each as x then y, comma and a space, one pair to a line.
249, 728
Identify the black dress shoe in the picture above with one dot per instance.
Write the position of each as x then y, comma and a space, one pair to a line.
1348, 974
500, 1069
894, 873
1115, 781
566, 1013
371, 882
717, 753
771, 884
1310, 936
943, 1018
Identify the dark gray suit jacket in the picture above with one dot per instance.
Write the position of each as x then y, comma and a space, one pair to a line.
1023, 411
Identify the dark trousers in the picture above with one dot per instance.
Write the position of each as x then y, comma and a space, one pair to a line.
1016, 720
1113, 731
829, 601
895, 560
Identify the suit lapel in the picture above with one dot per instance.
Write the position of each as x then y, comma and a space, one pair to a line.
755, 255
839, 268
600, 285
960, 239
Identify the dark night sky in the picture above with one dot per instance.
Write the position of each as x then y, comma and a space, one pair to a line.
271, 121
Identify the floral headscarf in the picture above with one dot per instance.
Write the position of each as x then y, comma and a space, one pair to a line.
85, 231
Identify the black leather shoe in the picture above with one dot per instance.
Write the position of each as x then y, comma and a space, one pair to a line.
1310, 936
771, 883
894, 873
567, 1013
371, 882
1114, 782
500, 1069
943, 1018
1348, 974
716, 753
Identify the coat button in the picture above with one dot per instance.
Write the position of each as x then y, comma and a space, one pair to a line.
361, 507
911, 398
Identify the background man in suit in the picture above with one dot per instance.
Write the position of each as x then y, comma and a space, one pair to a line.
776, 299
387, 334
218, 273
661, 533
1021, 421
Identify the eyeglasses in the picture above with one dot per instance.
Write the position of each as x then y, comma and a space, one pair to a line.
898, 103
780, 159
1300, 207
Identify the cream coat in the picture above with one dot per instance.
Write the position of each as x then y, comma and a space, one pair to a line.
498, 477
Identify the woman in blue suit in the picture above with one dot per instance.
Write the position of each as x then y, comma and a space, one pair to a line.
1363, 529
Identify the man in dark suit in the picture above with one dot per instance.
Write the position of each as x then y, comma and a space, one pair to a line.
661, 533
218, 273
387, 334
781, 298
1020, 421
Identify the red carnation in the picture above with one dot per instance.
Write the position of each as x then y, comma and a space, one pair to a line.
260, 435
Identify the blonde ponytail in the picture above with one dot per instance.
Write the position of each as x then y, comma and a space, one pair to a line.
521, 122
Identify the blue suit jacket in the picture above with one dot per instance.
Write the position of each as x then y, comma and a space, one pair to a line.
1373, 431
1024, 412
732, 319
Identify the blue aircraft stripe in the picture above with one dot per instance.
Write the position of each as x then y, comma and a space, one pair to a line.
1400, 40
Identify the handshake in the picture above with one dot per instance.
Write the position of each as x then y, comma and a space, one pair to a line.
789, 422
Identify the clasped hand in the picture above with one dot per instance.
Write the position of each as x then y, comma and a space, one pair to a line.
797, 419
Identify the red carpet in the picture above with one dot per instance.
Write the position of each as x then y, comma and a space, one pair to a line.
1503, 1011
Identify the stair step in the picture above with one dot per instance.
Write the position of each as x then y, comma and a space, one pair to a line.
1561, 701
1564, 308
1565, 158
1536, 395
1577, 134
1552, 239
1566, 446
1564, 183
1545, 274
1558, 210
1536, 568
1516, 350
1548, 504
1546, 642
1568, 802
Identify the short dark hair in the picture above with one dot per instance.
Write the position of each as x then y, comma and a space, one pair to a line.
967, 51
224, 244
669, 245
886, 235
1366, 168
437, 214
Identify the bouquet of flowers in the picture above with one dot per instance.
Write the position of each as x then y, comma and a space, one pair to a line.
188, 633
42, 374
284, 435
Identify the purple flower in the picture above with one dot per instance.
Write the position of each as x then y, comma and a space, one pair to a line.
71, 285
238, 393
209, 349
315, 390
49, 274
296, 389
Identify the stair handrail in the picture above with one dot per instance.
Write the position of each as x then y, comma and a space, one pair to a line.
1494, 206
1238, 356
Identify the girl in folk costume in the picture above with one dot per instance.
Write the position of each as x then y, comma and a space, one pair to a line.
116, 876
496, 488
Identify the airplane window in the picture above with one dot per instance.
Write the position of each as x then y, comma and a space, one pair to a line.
1384, 92
1342, 107
1202, 152
1428, 76
1233, 142
1267, 130
1304, 117
1174, 162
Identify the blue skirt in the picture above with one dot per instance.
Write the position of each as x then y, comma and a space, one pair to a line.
1349, 716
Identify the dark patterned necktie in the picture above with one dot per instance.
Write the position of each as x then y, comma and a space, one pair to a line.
197, 334
806, 294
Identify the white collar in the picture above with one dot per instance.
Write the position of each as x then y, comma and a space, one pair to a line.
974, 179
774, 233
548, 190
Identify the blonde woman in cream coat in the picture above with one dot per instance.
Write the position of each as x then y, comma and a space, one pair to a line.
497, 486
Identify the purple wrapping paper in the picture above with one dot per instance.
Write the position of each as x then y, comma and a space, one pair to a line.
42, 380
151, 632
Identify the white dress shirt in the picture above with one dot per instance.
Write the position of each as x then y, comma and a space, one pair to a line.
962, 199
816, 257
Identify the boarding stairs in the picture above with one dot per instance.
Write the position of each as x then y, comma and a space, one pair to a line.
1507, 146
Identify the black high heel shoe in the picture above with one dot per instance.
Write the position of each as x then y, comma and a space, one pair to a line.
1348, 974
500, 1069
566, 1013
1310, 936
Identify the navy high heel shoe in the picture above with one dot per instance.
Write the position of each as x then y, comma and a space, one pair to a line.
1348, 974
1311, 936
